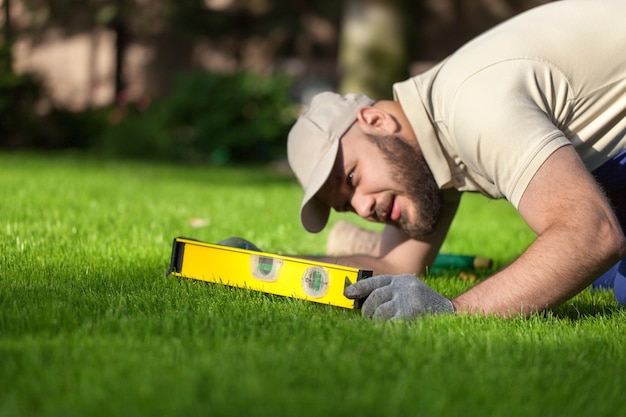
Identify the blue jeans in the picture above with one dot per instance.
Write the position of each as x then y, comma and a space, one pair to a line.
612, 177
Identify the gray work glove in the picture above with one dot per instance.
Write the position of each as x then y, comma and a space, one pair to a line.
390, 297
240, 243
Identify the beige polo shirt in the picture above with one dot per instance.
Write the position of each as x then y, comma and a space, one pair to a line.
488, 116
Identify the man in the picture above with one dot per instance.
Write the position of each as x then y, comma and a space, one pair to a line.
533, 111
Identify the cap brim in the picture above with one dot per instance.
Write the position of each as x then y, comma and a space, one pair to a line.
313, 213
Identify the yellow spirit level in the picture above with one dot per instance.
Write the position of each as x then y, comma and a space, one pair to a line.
260, 271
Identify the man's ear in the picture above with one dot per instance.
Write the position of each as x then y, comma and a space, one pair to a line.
375, 120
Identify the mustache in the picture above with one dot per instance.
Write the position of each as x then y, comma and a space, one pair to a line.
383, 209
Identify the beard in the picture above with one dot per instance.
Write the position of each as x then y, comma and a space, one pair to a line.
410, 171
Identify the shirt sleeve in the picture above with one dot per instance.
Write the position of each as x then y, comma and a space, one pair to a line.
503, 121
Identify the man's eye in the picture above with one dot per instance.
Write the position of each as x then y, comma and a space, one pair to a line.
351, 178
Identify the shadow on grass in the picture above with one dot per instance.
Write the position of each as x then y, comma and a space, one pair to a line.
587, 304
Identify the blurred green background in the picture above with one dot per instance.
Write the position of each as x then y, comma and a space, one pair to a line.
208, 81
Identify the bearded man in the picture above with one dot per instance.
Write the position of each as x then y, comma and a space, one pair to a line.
533, 111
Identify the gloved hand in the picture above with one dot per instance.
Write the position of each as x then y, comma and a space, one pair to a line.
397, 296
240, 243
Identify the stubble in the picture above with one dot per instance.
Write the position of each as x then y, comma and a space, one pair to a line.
411, 173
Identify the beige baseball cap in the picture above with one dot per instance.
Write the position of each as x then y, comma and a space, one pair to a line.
312, 148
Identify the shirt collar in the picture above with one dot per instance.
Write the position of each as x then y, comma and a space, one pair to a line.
412, 95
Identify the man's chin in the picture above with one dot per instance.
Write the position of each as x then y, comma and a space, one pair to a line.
418, 233
418, 229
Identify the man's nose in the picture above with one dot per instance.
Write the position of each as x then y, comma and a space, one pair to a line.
363, 205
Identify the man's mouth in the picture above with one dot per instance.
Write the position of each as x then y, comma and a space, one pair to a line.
395, 210
385, 215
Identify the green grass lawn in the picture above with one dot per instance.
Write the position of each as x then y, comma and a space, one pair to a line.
90, 325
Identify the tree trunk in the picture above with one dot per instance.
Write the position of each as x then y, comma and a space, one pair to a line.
373, 50
7, 56
120, 48
119, 26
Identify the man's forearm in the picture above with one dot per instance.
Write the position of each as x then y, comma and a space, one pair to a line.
554, 268
367, 262
579, 238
